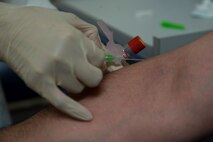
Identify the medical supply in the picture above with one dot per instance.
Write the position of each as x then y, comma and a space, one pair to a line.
118, 53
113, 48
111, 59
172, 25
133, 47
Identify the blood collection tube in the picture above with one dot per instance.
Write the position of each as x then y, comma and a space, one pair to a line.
133, 47
129, 52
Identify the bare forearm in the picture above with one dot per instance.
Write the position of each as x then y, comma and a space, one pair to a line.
167, 98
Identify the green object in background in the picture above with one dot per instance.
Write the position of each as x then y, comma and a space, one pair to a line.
172, 25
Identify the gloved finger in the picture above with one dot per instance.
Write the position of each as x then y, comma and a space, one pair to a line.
87, 29
66, 104
92, 33
94, 54
88, 74
66, 79
70, 83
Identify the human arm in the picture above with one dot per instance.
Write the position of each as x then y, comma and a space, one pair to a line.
166, 98
49, 49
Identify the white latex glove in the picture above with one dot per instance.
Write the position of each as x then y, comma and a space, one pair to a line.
48, 48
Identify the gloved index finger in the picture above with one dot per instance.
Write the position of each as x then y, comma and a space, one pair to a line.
87, 29
95, 55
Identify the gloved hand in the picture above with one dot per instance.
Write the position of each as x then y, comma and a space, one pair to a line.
47, 49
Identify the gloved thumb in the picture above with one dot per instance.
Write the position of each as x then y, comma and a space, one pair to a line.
64, 103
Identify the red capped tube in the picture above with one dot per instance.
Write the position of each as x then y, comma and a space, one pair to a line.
136, 44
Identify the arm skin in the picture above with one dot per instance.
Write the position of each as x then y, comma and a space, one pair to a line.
168, 98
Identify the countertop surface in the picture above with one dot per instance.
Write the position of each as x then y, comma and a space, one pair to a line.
143, 17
